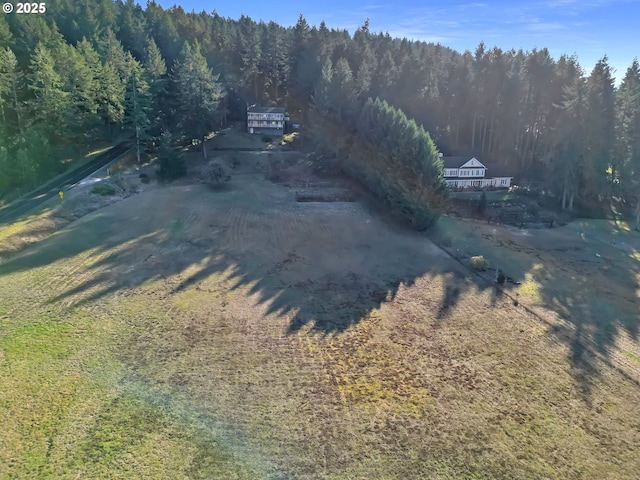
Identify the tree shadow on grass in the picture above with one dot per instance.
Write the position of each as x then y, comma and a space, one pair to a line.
597, 309
326, 275
591, 284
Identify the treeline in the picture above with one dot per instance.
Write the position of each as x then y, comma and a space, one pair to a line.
547, 119
389, 153
58, 96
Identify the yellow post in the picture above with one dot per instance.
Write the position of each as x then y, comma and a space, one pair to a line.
61, 195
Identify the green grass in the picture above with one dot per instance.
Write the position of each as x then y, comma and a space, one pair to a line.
631, 356
71, 409
104, 189
13, 228
98, 151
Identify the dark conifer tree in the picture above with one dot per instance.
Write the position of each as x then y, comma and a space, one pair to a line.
198, 92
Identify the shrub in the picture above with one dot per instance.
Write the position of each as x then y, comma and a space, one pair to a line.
447, 241
171, 161
479, 263
266, 138
144, 178
104, 189
482, 203
215, 173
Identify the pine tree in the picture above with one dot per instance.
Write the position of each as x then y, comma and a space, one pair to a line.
112, 53
569, 142
322, 97
275, 66
303, 61
628, 138
171, 160
599, 126
155, 74
11, 78
398, 161
87, 91
342, 90
133, 28
138, 103
249, 53
112, 96
50, 106
199, 94
366, 70
114, 76
386, 76
5, 32
24, 168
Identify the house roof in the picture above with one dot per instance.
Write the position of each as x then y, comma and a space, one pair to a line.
256, 109
496, 170
462, 162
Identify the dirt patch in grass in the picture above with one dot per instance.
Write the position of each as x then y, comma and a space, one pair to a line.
245, 335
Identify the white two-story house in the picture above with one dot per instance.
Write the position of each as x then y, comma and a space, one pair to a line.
469, 172
266, 120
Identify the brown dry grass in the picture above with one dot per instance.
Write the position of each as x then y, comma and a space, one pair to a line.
246, 336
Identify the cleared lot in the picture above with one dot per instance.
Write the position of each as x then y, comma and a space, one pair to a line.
190, 332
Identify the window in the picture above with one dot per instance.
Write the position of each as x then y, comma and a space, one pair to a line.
503, 181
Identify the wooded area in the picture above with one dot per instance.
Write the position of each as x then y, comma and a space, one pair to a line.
89, 68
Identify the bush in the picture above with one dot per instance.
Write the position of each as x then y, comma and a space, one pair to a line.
266, 138
104, 189
144, 178
479, 263
447, 241
215, 173
482, 203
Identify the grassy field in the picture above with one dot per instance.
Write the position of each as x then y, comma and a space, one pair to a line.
583, 279
234, 333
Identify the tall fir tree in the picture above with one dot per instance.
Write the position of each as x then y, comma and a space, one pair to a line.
138, 103
11, 82
569, 149
628, 138
50, 107
198, 92
155, 74
600, 129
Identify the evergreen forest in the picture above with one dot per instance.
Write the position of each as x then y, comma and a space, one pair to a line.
90, 71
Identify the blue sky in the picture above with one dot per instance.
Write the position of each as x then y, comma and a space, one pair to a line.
588, 28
